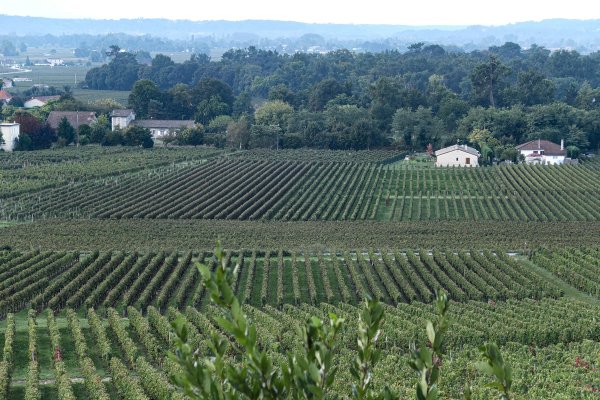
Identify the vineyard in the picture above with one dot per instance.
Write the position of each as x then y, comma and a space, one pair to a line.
242, 189
26, 172
363, 156
113, 357
150, 235
98, 247
58, 280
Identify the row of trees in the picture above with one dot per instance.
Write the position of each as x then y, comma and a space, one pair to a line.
344, 100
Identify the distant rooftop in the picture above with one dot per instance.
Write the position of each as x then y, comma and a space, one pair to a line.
163, 124
121, 112
461, 147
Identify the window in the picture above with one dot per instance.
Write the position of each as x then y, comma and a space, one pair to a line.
467, 161
456, 158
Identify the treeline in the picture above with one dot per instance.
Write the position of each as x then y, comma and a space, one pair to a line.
360, 100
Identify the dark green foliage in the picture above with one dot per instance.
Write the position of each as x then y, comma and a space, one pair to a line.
137, 136
65, 131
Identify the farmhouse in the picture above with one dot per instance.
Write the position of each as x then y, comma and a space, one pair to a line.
5, 96
10, 132
121, 119
162, 128
543, 152
39, 101
458, 155
75, 118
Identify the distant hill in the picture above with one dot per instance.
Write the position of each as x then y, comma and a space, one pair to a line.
582, 35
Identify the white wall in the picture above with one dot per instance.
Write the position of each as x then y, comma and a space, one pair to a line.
34, 103
10, 132
121, 122
456, 158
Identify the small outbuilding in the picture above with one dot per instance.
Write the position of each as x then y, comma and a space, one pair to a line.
458, 155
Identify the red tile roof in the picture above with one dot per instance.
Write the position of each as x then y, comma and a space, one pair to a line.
550, 149
4, 95
75, 118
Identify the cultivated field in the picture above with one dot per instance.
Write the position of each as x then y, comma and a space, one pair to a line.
237, 188
99, 247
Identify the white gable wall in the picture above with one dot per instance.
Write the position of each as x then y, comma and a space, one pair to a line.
456, 158
10, 132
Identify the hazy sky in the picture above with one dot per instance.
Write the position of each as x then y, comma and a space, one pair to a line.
411, 12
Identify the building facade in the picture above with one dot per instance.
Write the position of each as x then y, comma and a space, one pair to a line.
457, 156
543, 152
10, 132
120, 119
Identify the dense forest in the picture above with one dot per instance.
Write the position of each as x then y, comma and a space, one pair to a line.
496, 98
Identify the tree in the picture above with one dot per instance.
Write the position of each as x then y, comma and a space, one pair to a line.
191, 136
65, 131
209, 109
274, 112
588, 98
113, 50
416, 129
238, 133
534, 88
219, 124
208, 88
324, 91
143, 92
486, 77
112, 138
99, 128
138, 136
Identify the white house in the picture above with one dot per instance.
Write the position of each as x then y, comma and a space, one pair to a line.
543, 152
121, 118
10, 132
162, 128
458, 155
39, 101
55, 61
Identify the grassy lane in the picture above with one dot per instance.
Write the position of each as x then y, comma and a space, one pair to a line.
569, 290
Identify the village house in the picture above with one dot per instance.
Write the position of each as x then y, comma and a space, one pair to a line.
5, 96
121, 119
75, 118
10, 132
6, 83
458, 155
543, 152
39, 101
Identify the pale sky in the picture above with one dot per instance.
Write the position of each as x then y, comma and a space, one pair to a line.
412, 12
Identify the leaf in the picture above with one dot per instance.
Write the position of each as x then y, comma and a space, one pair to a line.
430, 332
484, 367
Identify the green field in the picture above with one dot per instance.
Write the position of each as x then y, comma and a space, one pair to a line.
61, 76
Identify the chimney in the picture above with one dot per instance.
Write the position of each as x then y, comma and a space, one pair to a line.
539, 144
562, 144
